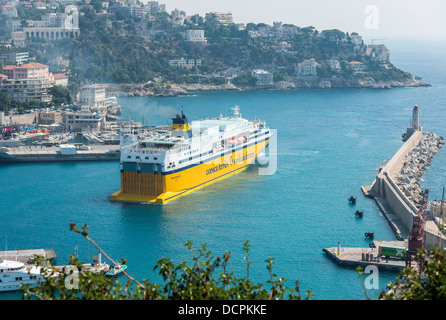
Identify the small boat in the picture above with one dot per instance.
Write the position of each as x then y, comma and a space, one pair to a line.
115, 271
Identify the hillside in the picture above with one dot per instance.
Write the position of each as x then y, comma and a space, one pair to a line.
114, 49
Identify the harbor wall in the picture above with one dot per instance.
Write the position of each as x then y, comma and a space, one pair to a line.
385, 187
399, 181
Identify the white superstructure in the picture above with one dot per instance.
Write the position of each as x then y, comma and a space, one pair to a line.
15, 273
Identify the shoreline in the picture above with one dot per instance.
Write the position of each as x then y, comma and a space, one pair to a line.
174, 90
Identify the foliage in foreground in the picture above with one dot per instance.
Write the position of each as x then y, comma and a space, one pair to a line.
208, 278
430, 285
213, 278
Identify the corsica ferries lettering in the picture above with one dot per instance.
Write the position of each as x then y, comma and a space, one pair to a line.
216, 168
225, 165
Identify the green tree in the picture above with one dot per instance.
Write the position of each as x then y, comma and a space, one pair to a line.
60, 95
207, 278
428, 285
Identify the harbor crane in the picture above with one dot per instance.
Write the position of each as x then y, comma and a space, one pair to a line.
440, 223
416, 237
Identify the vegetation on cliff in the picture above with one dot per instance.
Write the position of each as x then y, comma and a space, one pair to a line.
110, 50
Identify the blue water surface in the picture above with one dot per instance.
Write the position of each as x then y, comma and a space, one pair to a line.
330, 142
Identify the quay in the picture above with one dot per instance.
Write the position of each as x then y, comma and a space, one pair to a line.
363, 257
24, 256
398, 195
70, 152
396, 188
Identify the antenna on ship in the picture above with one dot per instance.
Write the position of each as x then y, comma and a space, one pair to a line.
236, 110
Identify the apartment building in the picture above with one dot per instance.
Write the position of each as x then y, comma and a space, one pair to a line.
30, 81
223, 18
307, 68
14, 57
196, 36
264, 78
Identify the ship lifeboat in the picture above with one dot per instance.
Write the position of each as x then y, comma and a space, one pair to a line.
241, 139
233, 141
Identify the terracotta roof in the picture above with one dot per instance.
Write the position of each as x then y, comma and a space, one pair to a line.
7, 6
60, 76
25, 66
3, 75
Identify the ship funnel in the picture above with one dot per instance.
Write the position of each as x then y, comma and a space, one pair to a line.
181, 126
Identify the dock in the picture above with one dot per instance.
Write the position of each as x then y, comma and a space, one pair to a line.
363, 257
25, 255
55, 154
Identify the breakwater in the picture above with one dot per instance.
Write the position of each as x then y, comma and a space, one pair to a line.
397, 185
417, 161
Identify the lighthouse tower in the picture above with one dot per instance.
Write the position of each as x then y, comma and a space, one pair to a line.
414, 125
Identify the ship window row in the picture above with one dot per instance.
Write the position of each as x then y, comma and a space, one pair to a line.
138, 157
153, 152
195, 157
12, 269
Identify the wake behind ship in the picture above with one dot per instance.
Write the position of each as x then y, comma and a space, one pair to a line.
193, 155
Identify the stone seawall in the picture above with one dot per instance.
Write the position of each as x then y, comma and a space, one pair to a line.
398, 183
417, 161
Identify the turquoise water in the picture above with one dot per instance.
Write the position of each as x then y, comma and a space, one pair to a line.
330, 143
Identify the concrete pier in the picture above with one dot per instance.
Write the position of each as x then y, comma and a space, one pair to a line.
24, 255
396, 188
363, 257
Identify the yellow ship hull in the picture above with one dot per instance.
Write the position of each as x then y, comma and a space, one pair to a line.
160, 188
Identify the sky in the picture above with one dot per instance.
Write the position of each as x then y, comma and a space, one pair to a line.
373, 19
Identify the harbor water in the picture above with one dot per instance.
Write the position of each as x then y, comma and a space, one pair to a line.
330, 142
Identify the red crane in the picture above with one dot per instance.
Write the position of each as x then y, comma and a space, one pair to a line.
416, 237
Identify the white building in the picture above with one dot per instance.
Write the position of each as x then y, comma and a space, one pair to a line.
178, 17
185, 63
264, 78
307, 68
18, 38
334, 65
223, 18
356, 40
9, 11
53, 26
60, 79
196, 36
95, 98
83, 121
357, 66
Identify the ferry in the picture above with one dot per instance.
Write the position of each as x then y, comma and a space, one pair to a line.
15, 273
192, 155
